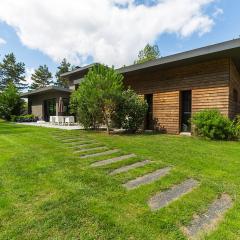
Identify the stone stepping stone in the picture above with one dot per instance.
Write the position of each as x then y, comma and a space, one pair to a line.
73, 140
100, 154
208, 221
162, 199
147, 179
130, 167
81, 145
112, 160
90, 149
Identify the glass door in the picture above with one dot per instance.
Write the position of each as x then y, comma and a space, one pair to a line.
49, 109
186, 111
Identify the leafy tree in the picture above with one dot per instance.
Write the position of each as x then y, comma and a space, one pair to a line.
147, 54
12, 71
10, 102
62, 68
130, 111
41, 78
97, 96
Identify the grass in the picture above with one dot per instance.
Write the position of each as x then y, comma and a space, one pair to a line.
46, 192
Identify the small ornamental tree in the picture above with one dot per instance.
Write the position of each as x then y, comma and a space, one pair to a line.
10, 102
130, 112
96, 98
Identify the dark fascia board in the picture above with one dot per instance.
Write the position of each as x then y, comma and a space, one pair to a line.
78, 70
46, 89
196, 53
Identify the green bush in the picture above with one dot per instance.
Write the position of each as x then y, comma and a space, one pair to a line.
213, 125
130, 111
10, 102
24, 118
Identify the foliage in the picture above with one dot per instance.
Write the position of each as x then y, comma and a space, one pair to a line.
213, 125
63, 68
12, 71
237, 126
41, 78
10, 102
24, 118
147, 54
130, 111
97, 96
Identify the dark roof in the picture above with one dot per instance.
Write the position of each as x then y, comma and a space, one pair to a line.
225, 49
46, 89
79, 69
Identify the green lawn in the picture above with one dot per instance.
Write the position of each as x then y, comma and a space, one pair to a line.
46, 192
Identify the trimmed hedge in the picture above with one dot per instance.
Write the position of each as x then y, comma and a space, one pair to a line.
24, 118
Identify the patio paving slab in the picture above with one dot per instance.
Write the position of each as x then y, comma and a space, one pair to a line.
130, 167
100, 154
147, 179
208, 221
82, 145
90, 149
112, 160
162, 199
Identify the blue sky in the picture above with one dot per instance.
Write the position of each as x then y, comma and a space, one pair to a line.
224, 14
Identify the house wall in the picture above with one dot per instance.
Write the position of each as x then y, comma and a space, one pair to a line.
209, 82
37, 102
234, 106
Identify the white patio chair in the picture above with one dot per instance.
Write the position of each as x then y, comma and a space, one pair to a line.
69, 120
59, 120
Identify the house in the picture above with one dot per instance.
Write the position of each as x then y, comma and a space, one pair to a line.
177, 86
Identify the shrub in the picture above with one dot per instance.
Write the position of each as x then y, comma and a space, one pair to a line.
10, 102
130, 111
24, 118
237, 126
213, 125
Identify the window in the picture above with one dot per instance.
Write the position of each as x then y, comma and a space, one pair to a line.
235, 95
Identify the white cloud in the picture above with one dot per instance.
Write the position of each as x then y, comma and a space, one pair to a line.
79, 29
217, 12
2, 41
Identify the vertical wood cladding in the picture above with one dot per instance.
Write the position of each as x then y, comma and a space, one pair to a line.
209, 82
234, 91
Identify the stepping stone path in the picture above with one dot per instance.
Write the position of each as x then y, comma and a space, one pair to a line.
200, 225
205, 223
112, 160
146, 179
162, 199
90, 149
100, 154
81, 145
130, 167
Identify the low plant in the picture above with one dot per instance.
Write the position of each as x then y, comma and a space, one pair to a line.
213, 125
130, 111
24, 118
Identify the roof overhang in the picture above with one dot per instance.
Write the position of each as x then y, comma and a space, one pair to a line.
78, 70
45, 90
221, 50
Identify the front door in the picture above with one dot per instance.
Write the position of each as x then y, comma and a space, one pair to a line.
49, 109
149, 115
186, 111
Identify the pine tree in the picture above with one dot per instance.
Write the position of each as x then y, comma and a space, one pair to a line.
12, 72
147, 54
63, 68
41, 78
